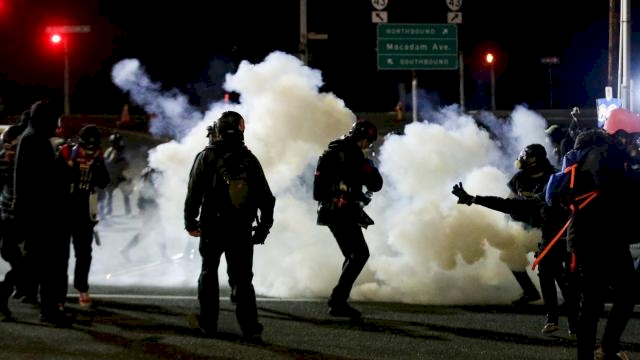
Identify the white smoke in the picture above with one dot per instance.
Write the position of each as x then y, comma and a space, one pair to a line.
173, 116
425, 248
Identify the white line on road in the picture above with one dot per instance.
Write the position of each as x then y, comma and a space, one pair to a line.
186, 297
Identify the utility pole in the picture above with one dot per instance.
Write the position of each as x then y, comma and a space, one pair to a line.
67, 106
461, 74
625, 44
304, 50
612, 21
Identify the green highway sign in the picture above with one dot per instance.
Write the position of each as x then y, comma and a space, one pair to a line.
417, 46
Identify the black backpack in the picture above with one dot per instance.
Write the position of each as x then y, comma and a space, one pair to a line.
323, 177
234, 174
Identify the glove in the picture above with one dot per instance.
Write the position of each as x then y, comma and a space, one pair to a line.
365, 198
259, 235
463, 196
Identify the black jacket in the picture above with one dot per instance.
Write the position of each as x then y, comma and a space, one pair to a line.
342, 172
206, 205
603, 229
534, 212
41, 183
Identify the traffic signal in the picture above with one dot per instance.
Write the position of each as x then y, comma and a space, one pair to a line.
56, 38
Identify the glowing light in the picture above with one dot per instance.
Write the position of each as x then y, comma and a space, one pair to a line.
55, 38
489, 58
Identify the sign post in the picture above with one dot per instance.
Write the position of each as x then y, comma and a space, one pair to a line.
67, 29
550, 61
379, 15
417, 46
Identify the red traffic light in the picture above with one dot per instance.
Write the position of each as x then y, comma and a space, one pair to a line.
55, 38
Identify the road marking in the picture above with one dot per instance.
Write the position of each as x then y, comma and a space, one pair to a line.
189, 297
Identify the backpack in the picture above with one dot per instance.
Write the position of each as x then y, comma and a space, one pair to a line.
234, 168
322, 179
561, 189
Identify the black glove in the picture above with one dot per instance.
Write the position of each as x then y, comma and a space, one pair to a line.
259, 235
463, 196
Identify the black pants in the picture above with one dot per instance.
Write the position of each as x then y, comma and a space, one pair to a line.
238, 252
354, 248
47, 256
82, 240
598, 273
12, 254
555, 269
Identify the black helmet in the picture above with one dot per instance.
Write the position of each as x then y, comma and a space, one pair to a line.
364, 129
90, 137
228, 125
531, 155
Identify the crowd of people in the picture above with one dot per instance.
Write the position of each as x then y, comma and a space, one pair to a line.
583, 252
81, 178
584, 249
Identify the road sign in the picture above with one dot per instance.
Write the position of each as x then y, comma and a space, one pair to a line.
316, 36
379, 17
454, 17
417, 46
379, 4
550, 60
454, 5
68, 29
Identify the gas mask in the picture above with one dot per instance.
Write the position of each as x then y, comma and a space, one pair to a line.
530, 156
523, 162
91, 146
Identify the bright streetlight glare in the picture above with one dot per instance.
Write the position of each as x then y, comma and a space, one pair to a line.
489, 58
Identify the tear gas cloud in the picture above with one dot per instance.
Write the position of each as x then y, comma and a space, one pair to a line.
425, 248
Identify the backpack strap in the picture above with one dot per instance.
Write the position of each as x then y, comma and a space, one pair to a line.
578, 203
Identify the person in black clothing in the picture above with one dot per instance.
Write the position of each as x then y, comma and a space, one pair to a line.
219, 212
599, 237
41, 189
554, 268
10, 241
87, 173
533, 173
341, 174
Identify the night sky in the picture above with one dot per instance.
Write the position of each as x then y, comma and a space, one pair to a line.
190, 45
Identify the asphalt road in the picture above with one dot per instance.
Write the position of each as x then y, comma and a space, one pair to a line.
147, 323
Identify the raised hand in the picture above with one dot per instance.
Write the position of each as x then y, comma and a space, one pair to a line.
461, 193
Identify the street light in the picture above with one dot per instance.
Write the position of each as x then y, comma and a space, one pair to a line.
550, 61
57, 39
490, 59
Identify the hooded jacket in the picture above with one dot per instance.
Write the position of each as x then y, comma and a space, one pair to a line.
41, 179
